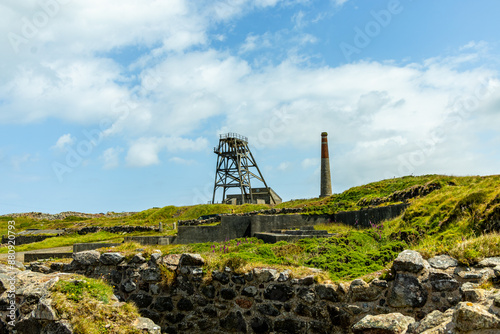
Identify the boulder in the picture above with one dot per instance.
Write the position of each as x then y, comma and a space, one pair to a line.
307, 295
265, 274
472, 295
155, 258
327, 292
278, 292
284, 276
442, 262
308, 280
137, 258
392, 323
249, 291
87, 258
410, 261
268, 309
407, 292
490, 262
142, 300
188, 259
433, 321
111, 259
171, 261
151, 275
146, 325
289, 325
44, 310
474, 317
234, 322
363, 292
219, 276
442, 282
129, 286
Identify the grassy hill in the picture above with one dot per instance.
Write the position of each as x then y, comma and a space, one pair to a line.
459, 216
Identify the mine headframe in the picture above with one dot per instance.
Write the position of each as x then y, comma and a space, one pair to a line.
236, 167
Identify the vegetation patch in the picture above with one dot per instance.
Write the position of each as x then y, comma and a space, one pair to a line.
351, 255
87, 304
459, 216
473, 250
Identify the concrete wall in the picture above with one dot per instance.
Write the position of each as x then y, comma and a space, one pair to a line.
29, 257
266, 223
363, 218
151, 240
27, 239
91, 245
232, 227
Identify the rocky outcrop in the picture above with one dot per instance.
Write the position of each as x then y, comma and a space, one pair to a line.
402, 195
419, 296
392, 323
32, 306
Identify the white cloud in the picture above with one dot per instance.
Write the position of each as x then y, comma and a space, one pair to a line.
254, 42
145, 151
283, 166
310, 162
111, 157
63, 142
181, 161
339, 2
18, 161
165, 99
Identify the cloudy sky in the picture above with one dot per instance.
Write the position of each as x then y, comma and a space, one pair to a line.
116, 105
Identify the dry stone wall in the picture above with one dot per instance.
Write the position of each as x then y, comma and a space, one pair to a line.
419, 296
66, 214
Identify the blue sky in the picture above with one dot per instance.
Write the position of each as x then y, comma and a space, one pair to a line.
117, 105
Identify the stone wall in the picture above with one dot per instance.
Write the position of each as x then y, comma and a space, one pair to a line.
178, 293
26, 239
66, 214
117, 229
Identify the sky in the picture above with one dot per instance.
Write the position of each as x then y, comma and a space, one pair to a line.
116, 105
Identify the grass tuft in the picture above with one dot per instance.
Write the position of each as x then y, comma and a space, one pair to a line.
474, 250
85, 302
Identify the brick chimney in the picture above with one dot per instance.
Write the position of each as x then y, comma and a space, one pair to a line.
326, 179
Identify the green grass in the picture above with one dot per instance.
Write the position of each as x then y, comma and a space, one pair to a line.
67, 240
348, 255
76, 290
463, 210
86, 303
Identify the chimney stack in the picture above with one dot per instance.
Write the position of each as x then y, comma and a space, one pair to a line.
326, 179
